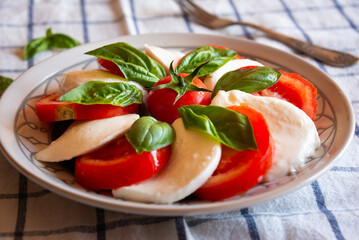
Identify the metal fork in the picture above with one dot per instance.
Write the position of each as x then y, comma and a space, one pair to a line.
330, 57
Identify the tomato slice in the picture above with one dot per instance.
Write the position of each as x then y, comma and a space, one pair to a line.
160, 101
117, 165
110, 66
49, 109
295, 89
239, 171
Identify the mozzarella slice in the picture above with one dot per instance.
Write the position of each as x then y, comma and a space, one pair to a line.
164, 56
74, 79
211, 80
85, 136
194, 158
294, 133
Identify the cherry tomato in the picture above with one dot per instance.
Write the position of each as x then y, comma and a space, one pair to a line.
160, 101
117, 165
49, 109
110, 66
239, 171
295, 89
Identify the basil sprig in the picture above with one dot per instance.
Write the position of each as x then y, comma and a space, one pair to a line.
226, 126
215, 56
57, 40
148, 134
4, 83
133, 63
247, 80
98, 92
182, 84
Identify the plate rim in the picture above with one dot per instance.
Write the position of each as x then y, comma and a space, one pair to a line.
170, 210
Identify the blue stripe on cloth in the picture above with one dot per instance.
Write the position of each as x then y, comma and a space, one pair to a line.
340, 9
356, 129
252, 226
180, 227
21, 208
306, 36
93, 229
29, 195
101, 224
344, 169
133, 11
246, 32
322, 207
84, 21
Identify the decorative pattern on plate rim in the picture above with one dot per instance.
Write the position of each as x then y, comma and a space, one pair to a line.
33, 135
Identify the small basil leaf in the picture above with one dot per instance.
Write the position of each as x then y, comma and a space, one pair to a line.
148, 134
215, 56
50, 41
97, 92
226, 126
4, 83
247, 80
35, 46
133, 63
63, 41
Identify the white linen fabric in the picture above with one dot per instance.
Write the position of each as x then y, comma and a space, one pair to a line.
325, 209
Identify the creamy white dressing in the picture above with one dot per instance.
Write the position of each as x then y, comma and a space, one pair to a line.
294, 133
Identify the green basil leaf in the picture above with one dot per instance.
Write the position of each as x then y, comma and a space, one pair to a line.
148, 134
247, 80
35, 46
215, 56
98, 92
226, 126
50, 41
4, 83
133, 63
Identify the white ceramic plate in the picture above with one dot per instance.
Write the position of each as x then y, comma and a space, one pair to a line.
22, 135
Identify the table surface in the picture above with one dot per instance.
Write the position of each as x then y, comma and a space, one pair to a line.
328, 208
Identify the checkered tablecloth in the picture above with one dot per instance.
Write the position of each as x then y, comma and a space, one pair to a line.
326, 209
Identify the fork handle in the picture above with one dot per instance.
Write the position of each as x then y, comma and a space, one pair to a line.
331, 57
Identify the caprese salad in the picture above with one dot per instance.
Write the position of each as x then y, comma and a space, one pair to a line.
158, 126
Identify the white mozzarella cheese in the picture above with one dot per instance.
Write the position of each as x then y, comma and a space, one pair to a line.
194, 158
85, 136
74, 79
211, 80
164, 56
294, 133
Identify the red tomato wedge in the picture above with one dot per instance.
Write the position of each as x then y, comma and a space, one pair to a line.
117, 165
239, 171
110, 66
49, 109
295, 89
160, 101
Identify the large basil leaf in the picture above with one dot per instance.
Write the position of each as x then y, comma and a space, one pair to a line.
226, 126
215, 56
148, 134
4, 83
57, 40
247, 80
133, 63
97, 92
